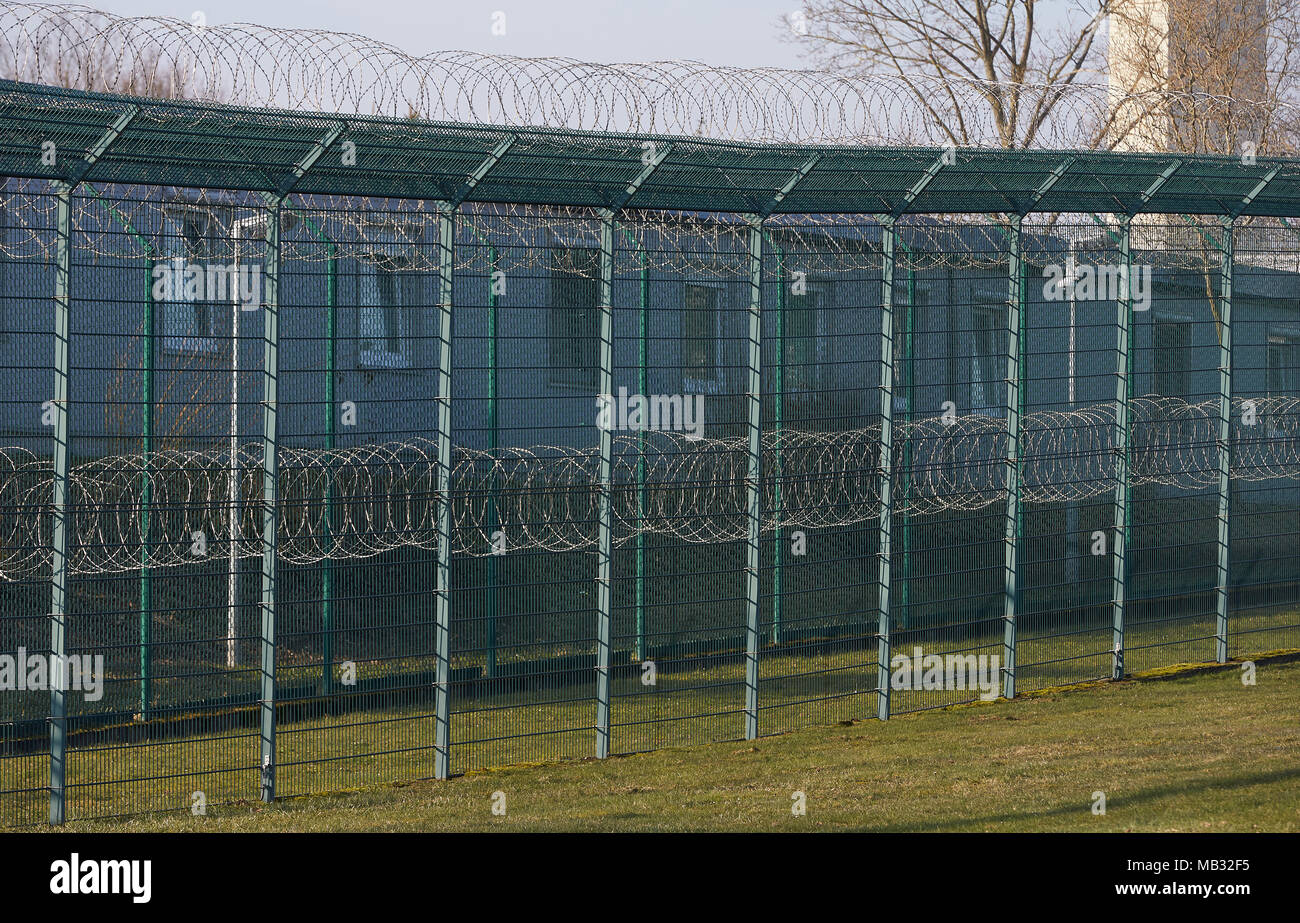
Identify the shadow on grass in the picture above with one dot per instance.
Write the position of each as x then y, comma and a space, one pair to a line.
1112, 802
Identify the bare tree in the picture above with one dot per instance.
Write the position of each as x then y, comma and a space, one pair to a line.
1226, 69
1183, 75
964, 63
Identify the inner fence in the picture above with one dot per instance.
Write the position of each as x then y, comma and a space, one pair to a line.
306, 488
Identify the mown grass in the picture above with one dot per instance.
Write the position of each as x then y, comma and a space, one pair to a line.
364, 740
1196, 751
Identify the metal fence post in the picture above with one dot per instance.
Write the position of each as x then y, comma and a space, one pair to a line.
1120, 437
1225, 440
754, 393
885, 470
909, 411
643, 337
442, 614
331, 441
1011, 592
146, 497
60, 514
59, 502
778, 411
604, 528
494, 439
270, 490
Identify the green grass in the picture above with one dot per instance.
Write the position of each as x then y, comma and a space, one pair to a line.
1197, 751
389, 737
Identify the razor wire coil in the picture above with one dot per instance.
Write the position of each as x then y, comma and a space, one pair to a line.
363, 501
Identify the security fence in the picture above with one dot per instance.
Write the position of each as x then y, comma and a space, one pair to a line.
342, 450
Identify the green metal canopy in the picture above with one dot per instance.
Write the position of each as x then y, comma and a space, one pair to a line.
180, 143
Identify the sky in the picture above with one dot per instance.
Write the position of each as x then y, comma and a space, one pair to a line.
743, 33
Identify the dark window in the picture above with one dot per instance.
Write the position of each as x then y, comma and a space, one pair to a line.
386, 319
573, 317
1283, 364
4, 263
989, 359
1171, 359
187, 316
905, 372
802, 320
700, 334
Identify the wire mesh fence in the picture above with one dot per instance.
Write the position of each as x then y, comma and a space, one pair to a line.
308, 491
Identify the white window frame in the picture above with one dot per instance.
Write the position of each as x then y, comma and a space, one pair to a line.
1286, 333
1164, 317
394, 244
369, 300
993, 404
822, 292
559, 376
922, 293
716, 384
174, 248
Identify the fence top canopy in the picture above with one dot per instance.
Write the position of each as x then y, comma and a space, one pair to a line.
112, 138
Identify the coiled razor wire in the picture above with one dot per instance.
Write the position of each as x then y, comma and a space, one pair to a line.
126, 222
78, 46
364, 501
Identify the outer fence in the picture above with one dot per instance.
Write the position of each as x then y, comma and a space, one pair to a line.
324, 434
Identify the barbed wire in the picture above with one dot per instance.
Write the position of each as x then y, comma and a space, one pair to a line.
79, 46
130, 222
368, 500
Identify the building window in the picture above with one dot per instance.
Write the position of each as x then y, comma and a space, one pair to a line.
573, 317
4, 264
904, 371
188, 314
988, 360
804, 350
1171, 357
701, 370
386, 313
1283, 364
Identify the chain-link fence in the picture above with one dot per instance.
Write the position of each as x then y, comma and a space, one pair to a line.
341, 451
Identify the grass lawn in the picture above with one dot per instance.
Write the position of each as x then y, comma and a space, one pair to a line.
1193, 751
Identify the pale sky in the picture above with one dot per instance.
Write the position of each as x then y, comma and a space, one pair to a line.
730, 32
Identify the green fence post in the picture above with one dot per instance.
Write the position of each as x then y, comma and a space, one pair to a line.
59, 502
909, 410
60, 514
494, 438
604, 528
331, 438
1015, 398
643, 336
146, 497
885, 470
442, 629
1225, 439
778, 410
1120, 436
270, 448
147, 355
270, 490
754, 394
